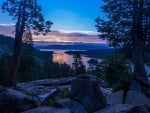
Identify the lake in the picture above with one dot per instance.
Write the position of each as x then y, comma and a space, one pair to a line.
61, 57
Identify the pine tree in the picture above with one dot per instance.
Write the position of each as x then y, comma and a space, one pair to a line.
127, 26
77, 64
27, 14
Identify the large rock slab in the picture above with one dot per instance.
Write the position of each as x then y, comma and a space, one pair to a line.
46, 88
12, 100
85, 90
115, 98
136, 98
42, 92
46, 82
48, 110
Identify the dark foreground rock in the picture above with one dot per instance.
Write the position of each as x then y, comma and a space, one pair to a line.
48, 110
140, 109
85, 90
136, 98
14, 101
115, 98
42, 92
87, 96
74, 106
47, 88
119, 108
125, 108
46, 82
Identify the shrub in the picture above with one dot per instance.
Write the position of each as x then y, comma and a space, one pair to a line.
116, 72
5, 60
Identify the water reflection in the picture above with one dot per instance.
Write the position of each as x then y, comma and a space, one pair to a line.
61, 57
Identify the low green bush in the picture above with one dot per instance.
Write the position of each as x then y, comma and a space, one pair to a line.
116, 72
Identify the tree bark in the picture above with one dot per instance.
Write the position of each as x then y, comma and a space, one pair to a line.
17, 46
138, 60
137, 38
15, 62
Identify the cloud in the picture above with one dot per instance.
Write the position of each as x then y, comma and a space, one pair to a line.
7, 29
59, 35
9, 25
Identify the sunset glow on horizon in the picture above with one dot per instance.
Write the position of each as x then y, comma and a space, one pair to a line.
63, 36
70, 36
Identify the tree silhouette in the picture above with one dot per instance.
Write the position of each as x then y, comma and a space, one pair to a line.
127, 26
77, 64
27, 14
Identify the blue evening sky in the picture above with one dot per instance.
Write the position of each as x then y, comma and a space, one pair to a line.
67, 14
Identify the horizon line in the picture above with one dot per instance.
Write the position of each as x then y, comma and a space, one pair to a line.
63, 30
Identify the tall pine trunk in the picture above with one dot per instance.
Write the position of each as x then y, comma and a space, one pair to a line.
17, 47
15, 62
138, 60
138, 56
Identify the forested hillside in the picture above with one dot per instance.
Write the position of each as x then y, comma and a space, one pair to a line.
34, 64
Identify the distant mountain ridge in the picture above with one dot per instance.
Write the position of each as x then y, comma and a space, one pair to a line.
94, 53
77, 46
7, 45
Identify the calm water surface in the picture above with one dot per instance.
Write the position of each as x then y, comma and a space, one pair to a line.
61, 57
